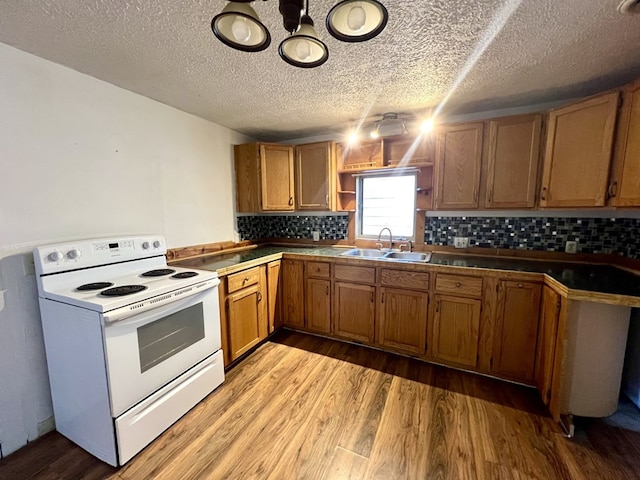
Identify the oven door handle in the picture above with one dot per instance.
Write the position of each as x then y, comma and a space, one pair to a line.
161, 305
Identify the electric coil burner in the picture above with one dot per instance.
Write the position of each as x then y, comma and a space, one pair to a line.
87, 287
184, 275
160, 272
122, 290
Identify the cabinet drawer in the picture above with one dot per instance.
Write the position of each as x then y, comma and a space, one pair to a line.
243, 279
355, 274
401, 279
318, 269
459, 284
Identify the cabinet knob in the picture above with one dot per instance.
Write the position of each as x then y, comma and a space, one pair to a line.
317, 269
246, 279
458, 284
290, 201
520, 285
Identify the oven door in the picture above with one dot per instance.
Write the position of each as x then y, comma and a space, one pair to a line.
146, 351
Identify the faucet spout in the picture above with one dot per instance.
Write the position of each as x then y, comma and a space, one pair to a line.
390, 237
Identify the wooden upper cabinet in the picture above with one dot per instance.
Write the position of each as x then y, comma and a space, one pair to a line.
276, 166
405, 150
624, 187
315, 176
514, 349
361, 156
513, 153
264, 177
458, 161
578, 153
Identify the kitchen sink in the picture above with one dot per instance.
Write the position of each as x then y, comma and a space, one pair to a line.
409, 256
364, 252
382, 255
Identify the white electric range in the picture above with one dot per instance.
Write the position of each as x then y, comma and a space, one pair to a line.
131, 343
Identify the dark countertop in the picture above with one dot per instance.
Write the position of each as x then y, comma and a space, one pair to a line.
601, 279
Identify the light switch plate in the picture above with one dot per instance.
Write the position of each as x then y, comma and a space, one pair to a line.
461, 242
316, 236
571, 247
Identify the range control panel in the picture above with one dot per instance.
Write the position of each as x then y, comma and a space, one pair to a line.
66, 256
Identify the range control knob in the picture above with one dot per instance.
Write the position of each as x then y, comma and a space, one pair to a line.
74, 254
55, 256
156, 244
145, 245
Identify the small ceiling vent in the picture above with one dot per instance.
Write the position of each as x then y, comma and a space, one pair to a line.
629, 7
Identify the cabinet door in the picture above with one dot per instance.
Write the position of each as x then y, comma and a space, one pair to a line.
404, 150
403, 320
314, 175
247, 325
547, 332
512, 162
456, 328
276, 168
354, 311
274, 295
624, 189
246, 158
318, 305
578, 153
293, 293
458, 159
514, 347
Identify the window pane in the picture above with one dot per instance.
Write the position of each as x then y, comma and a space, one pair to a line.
388, 202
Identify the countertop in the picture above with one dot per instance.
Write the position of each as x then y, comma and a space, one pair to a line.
603, 280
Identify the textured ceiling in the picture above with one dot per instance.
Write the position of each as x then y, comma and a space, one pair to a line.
499, 53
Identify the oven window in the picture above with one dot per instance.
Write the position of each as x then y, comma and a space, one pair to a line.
164, 338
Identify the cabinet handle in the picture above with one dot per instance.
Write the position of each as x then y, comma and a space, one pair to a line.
327, 289
491, 195
438, 306
613, 189
520, 285
317, 269
259, 296
475, 194
382, 299
246, 279
458, 284
290, 201
326, 199
543, 193
371, 297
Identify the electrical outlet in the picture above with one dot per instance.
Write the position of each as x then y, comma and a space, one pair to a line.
571, 247
316, 236
461, 242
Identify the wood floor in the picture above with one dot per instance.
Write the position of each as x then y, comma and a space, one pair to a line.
301, 407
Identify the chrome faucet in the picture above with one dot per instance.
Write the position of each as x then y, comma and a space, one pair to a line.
390, 238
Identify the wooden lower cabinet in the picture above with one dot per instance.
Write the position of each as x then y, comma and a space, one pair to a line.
247, 322
274, 295
403, 319
456, 327
546, 346
354, 311
293, 293
318, 296
514, 348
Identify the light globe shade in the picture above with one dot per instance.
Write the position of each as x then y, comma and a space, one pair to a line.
357, 20
304, 49
239, 27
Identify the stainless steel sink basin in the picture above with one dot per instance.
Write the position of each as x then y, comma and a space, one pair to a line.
395, 256
409, 256
364, 252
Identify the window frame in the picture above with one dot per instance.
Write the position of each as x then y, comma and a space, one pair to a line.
360, 199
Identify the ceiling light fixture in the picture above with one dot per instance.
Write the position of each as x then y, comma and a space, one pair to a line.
239, 27
427, 125
629, 7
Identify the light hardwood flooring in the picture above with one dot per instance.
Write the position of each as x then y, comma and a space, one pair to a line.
302, 407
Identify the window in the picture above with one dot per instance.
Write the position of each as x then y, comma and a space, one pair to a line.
386, 201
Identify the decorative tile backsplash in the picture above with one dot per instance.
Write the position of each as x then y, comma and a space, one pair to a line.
594, 235
331, 227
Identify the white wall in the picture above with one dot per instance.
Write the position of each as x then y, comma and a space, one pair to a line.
81, 158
